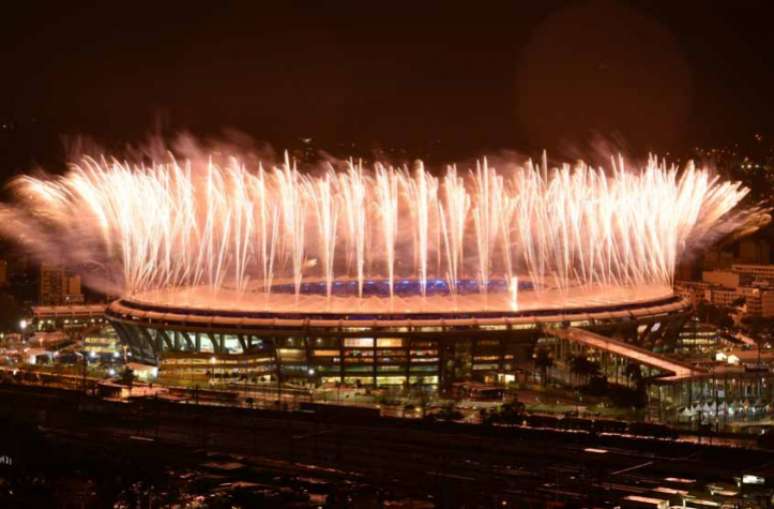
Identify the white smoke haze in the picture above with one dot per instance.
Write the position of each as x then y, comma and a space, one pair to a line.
239, 215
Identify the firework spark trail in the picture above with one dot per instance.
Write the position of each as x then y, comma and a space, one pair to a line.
244, 220
453, 214
321, 192
293, 213
353, 186
487, 217
387, 204
262, 200
181, 223
422, 195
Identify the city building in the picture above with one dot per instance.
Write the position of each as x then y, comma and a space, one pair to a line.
72, 289
74, 318
693, 291
58, 287
758, 301
51, 285
754, 251
722, 278
754, 273
101, 344
724, 296
697, 336
748, 287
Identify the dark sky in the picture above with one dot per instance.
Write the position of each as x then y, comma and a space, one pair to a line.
457, 80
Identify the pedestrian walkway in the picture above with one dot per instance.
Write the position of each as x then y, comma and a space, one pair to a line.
674, 368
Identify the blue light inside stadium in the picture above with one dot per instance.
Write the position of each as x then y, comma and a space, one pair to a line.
403, 287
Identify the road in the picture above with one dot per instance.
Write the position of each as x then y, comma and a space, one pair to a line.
467, 461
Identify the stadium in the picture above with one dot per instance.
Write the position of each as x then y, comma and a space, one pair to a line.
383, 276
380, 341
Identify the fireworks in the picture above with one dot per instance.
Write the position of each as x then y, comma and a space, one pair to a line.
181, 223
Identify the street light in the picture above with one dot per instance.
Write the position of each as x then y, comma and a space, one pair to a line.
312, 381
23, 324
213, 361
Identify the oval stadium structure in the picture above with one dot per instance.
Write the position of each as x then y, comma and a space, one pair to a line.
435, 339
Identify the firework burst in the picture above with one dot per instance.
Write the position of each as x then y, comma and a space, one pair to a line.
180, 223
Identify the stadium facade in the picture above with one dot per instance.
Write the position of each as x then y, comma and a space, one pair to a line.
386, 348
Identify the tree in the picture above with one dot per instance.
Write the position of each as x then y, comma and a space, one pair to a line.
635, 397
757, 326
583, 368
724, 320
448, 412
702, 311
633, 371
127, 377
543, 362
714, 314
420, 393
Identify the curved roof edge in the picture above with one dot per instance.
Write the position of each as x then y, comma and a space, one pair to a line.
132, 312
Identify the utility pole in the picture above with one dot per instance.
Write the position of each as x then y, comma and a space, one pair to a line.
83, 373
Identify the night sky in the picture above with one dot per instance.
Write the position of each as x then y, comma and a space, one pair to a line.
440, 80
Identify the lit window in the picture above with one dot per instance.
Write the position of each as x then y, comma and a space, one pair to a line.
359, 342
